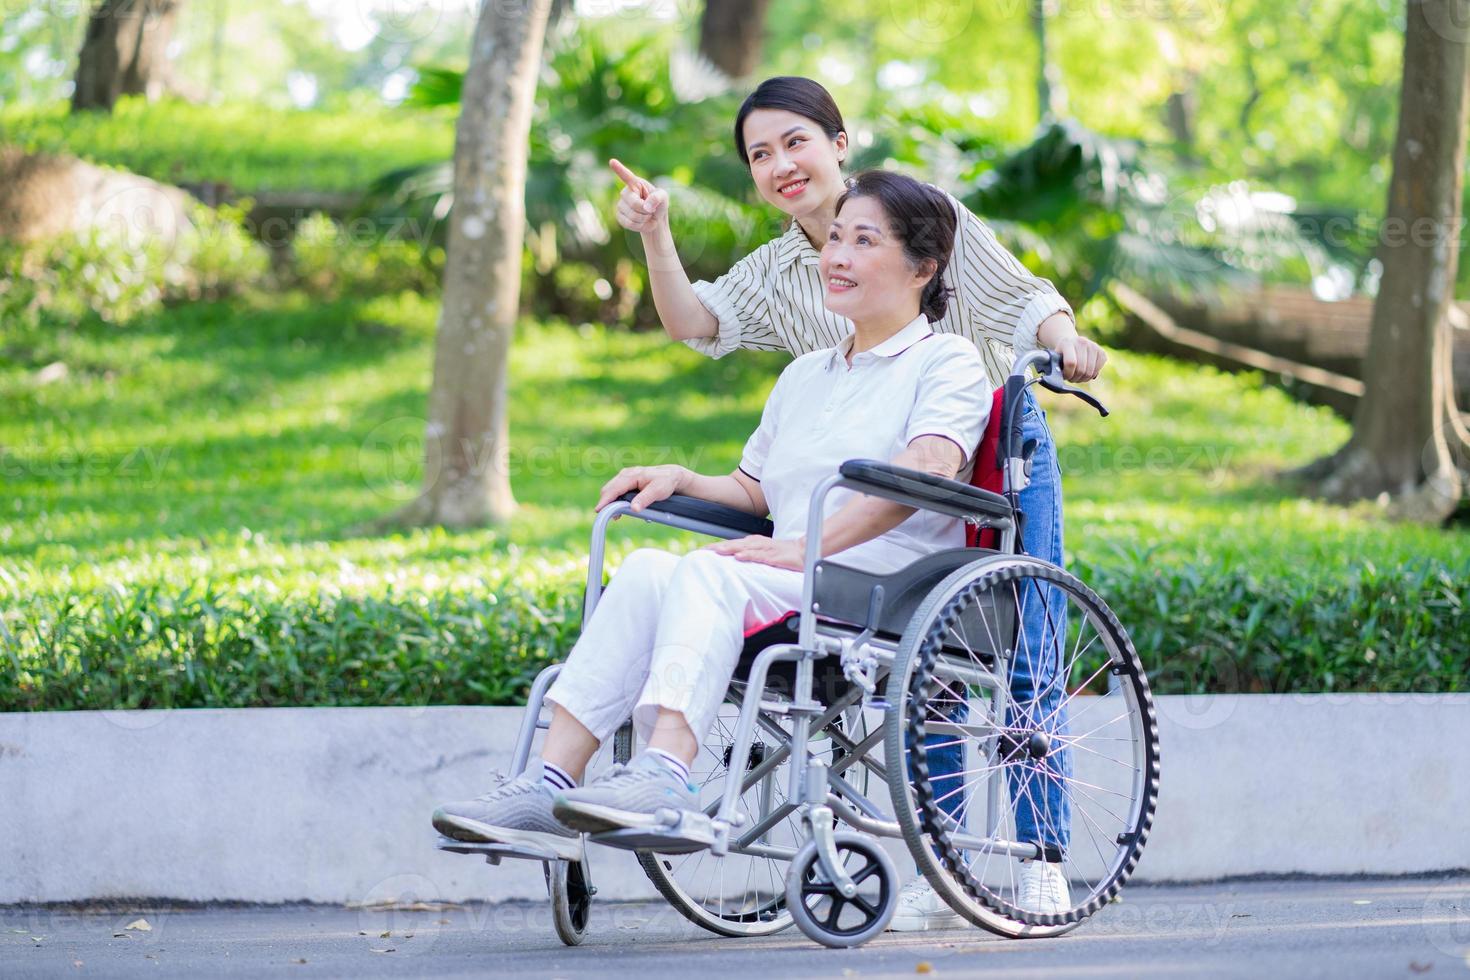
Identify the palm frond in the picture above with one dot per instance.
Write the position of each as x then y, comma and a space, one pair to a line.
435, 88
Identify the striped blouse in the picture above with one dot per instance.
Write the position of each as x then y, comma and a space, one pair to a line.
772, 299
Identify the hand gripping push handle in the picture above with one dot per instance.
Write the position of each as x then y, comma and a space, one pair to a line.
1048, 365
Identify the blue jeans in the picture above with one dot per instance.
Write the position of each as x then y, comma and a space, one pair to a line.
1042, 810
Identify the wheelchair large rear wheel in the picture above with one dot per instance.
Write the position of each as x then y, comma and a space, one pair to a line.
744, 894
1021, 744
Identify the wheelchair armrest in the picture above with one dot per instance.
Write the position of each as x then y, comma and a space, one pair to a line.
925, 490
710, 513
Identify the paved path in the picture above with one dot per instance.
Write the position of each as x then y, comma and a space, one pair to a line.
1405, 927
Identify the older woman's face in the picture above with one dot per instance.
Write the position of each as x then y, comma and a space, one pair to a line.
794, 164
864, 269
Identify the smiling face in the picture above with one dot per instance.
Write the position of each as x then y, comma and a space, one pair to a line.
794, 164
867, 275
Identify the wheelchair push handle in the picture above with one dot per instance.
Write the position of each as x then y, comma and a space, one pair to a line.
1048, 365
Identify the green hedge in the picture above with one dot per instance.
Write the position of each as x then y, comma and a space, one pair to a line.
1203, 630
205, 648
1199, 630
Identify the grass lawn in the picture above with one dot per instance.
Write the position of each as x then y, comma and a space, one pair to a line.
222, 439
217, 438
234, 449
249, 147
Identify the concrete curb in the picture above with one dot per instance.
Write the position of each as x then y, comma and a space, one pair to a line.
332, 804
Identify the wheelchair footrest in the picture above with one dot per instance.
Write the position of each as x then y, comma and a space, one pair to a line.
673, 832
493, 851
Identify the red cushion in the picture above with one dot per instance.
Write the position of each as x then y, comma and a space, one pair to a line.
987, 474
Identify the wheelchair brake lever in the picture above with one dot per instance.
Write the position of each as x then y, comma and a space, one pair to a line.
855, 666
1052, 380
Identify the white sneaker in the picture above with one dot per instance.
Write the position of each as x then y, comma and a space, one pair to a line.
920, 909
1043, 888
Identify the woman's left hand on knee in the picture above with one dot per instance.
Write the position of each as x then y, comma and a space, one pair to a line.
780, 553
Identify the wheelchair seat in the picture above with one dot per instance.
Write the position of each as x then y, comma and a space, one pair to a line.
884, 603
851, 600
828, 684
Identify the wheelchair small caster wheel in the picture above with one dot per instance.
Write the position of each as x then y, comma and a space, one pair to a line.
571, 893
823, 912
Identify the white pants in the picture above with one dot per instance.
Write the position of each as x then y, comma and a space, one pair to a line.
667, 633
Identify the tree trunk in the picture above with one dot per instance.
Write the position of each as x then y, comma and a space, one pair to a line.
466, 443
124, 52
1407, 441
1180, 110
730, 35
1051, 95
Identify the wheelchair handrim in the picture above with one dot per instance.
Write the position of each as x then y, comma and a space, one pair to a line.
919, 815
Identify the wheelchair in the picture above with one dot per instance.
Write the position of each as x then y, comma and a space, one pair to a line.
904, 685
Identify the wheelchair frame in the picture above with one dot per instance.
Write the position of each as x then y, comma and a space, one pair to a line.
820, 794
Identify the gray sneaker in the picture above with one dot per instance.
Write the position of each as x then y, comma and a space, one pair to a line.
625, 797
517, 811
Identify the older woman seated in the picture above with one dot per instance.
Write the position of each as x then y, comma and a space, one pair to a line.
664, 640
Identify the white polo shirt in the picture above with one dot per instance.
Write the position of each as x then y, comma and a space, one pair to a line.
823, 412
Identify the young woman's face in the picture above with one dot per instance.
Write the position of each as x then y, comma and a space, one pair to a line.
793, 163
864, 269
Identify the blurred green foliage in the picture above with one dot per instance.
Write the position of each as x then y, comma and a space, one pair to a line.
329, 259
246, 52
1206, 107
116, 275
1301, 95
